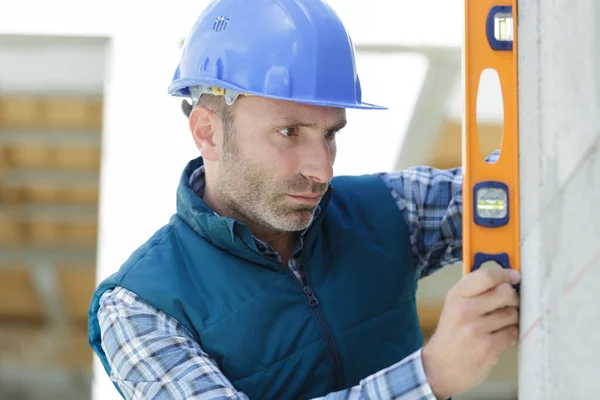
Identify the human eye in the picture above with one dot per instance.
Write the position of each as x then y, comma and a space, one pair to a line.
289, 131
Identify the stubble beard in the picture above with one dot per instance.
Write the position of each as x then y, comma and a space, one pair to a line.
246, 192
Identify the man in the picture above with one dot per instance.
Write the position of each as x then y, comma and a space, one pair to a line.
275, 280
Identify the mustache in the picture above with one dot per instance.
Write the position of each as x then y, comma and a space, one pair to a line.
303, 185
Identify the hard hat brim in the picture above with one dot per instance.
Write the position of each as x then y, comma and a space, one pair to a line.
179, 88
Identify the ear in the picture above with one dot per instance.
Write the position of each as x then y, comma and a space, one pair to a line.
204, 125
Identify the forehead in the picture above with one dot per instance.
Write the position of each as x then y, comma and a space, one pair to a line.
270, 110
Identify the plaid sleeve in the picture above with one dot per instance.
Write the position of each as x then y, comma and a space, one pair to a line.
404, 380
153, 356
431, 200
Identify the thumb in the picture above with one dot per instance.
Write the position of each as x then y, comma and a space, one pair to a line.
483, 280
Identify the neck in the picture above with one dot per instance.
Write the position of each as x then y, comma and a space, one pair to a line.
282, 242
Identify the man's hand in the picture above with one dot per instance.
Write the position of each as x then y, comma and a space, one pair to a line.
478, 323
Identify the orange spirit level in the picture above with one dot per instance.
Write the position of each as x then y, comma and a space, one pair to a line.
490, 191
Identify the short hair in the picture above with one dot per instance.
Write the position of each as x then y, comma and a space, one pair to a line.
215, 103
224, 111
218, 105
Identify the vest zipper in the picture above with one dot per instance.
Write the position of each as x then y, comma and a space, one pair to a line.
314, 304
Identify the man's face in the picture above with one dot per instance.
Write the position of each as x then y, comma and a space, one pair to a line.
277, 161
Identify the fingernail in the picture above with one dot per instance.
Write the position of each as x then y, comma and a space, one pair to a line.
515, 276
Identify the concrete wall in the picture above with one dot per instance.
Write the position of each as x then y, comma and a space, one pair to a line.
559, 77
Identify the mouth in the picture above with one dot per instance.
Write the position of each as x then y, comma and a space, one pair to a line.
312, 198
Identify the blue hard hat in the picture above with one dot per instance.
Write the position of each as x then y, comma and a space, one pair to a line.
296, 50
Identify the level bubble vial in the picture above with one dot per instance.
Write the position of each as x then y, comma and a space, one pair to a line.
503, 27
492, 203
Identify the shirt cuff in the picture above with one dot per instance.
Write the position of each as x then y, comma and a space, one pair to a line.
406, 380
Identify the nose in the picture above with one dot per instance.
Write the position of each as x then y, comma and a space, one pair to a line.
318, 161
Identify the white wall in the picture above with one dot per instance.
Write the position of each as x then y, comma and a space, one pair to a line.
559, 78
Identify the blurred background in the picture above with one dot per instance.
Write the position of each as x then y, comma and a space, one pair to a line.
51, 105
91, 147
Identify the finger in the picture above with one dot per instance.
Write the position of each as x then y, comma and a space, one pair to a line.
505, 338
503, 295
498, 320
482, 280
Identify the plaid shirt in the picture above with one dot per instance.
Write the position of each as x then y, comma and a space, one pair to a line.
153, 356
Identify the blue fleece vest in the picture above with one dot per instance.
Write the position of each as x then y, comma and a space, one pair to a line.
273, 337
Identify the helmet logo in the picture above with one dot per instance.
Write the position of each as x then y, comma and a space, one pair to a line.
220, 24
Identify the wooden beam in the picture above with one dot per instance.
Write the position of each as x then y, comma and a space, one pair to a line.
35, 156
51, 150
47, 233
35, 224
65, 113
43, 186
